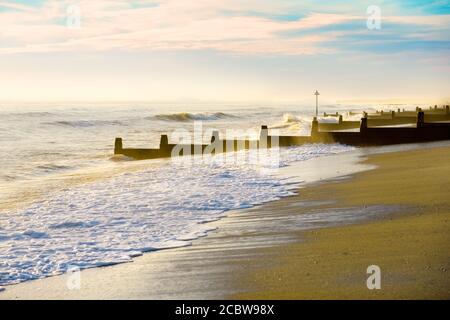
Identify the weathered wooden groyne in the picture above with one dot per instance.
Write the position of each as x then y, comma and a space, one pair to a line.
368, 135
216, 145
390, 118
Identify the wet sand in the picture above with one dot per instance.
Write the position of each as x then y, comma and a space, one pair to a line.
411, 245
396, 216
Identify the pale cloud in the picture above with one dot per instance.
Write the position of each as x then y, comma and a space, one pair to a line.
437, 21
15, 6
173, 25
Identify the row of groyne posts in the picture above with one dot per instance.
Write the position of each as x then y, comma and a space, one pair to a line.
380, 128
386, 118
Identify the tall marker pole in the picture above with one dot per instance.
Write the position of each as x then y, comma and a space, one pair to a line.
317, 102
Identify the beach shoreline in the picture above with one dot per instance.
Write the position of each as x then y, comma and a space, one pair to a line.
241, 259
410, 244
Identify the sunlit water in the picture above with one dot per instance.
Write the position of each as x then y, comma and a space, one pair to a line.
66, 202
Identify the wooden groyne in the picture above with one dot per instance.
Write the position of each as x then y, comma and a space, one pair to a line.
387, 118
217, 145
368, 134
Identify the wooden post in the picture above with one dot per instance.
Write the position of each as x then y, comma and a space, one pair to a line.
263, 137
363, 125
164, 142
420, 119
393, 114
264, 131
447, 111
118, 148
340, 119
314, 127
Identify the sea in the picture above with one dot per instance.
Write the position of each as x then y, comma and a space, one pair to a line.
66, 201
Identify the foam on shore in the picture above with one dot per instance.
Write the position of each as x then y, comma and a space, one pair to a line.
111, 221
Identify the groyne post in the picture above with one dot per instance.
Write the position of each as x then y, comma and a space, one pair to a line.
420, 119
314, 127
164, 142
393, 114
263, 137
447, 110
118, 147
363, 125
340, 119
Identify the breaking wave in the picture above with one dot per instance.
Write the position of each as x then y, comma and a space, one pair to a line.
186, 116
298, 124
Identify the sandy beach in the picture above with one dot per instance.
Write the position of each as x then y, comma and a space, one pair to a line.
315, 245
411, 245
221, 150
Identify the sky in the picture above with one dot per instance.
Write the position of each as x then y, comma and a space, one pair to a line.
224, 50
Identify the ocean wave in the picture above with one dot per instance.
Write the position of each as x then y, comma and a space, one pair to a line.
35, 234
186, 116
74, 224
85, 123
302, 124
30, 114
52, 167
292, 123
120, 158
114, 220
8, 177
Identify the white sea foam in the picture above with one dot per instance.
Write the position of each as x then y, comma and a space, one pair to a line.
301, 125
114, 220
